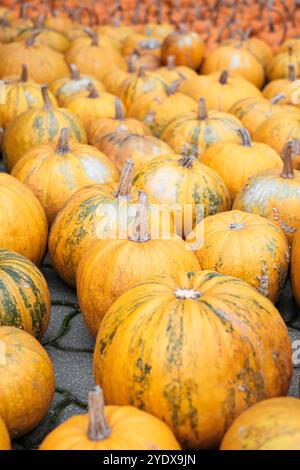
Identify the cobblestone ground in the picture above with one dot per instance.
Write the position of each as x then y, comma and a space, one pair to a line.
70, 346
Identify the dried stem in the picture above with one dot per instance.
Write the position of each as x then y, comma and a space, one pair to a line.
47, 102
287, 156
246, 139
75, 75
140, 232
202, 109
98, 426
119, 110
125, 183
63, 144
24, 74
224, 77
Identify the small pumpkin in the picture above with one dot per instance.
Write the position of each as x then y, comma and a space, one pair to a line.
27, 381
55, 40
143, 44
115, 77
113, 266
171, 72
107, 125
235, 60
191, 320
44, 64
279, 66
4, 437
237, 162
221, 90
23, 224
272, 424
58, 22
260, 49
256, 250
295, 268
285, 86
24, 295
187, 186
194, 132
54, 172
67, 88
141, 149
275, 194
38, 126
110, 427
186, 46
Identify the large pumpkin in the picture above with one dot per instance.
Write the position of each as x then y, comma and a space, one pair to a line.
24, 295
237, 162
113, 266
56, 171
187, 48
27, 381
38, 126
274, 194
272, 424
277, 130
189, 188
44, 64
194, 132
4, 436
23, 224
235, 60
246, 246
141, 149
295, 267
21, 95
194, 351
110, 427
221, 89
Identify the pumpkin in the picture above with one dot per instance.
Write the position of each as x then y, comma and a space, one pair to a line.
142, 43
141, 149
107, 125
113, 266
254, 111
275, 194
92, 213
221, 90
194, 132
38, 126
256, 250
21, 95
158, 109
8, 32
54, 172
171, 72
25, 298
55, 40
288, 44
189, 188
4, 436
260, 49
279, 65
272, 424
186, 46
195, 351
93, 106
27, 381
146, 61
110, 427
115, 77
23, 224
237, 162
57, 22
44, 64
67, 88
295, 269
286, 86
235, 60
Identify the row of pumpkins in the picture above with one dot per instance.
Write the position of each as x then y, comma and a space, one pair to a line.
188, 336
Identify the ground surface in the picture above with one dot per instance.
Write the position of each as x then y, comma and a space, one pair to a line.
70, 346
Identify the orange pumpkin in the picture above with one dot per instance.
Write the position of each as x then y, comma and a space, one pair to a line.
143, 44
272, 424
113, 266
141, 149
279, 66
38, 126
4, 436
27, 381
110, 427
248, 256
172, 72
260, 49
194, 132
23, 224
55, 40
54, 172
286, 86
186, 46
237, 162
57, 22
295, 269
274, 194
8, 32
159, 334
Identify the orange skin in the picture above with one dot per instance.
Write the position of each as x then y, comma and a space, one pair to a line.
277, 130
4, 437
187, 47
295, 267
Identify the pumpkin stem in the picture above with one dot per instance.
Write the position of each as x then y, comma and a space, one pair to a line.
224, 77
173, 87
277, 98
246, 139
291, 74
171, 62
75, 75
202, 109
31, 39
187, 294
93, 36
24, 74
141, 72
119, 110
125, 182
186, 161
63, 144
287, 156
98, 426
290, 50
93, 93
47, 102
4, 20
140, 232
132, 60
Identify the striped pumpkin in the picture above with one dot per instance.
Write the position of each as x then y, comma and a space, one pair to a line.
24, 295
195, 351
38, 126
4, 436
286, 86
